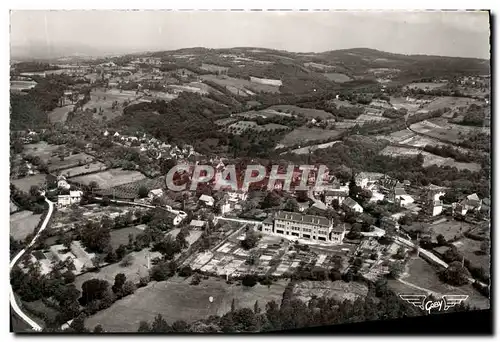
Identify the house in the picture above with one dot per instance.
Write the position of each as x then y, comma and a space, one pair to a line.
63, 184
238, 195
337, 194
267, 225
198, 224
367, 179
351, 205
436, 208
458, 209
74, 197
389, 224
225, 207
207, 200
155, 193
473, 202
106, 133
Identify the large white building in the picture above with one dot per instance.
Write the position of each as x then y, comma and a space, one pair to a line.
72, 198
307, 227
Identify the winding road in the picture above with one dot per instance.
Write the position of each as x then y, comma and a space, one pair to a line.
35, 326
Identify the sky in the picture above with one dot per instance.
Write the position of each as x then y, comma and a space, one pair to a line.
461, 34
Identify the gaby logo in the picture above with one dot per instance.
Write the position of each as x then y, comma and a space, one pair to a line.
443, 304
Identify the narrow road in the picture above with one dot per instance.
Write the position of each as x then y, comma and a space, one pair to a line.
13, 302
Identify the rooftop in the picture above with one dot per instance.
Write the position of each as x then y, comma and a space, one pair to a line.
311, 219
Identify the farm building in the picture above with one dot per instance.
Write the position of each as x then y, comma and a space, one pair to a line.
351, 205
155, 193
207, 200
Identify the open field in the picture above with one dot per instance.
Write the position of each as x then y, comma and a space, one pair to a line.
429, 158
306, 112
134, 272
450, 229
120, 236
176, 299
41, 149
337, 77
24, 184
339, 290
22, 85
81, 170
23, 223
13, 207
449, 101
110, 178
56, 164
424, 275
470, 249
302, 134
448, 132
241, 86
400, 102
60, 114
102, 99
265, 113
307, 149
426, 85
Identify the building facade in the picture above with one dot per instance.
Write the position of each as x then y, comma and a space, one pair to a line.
307, 227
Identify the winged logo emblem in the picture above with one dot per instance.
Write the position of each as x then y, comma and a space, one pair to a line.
446, 301
452, 300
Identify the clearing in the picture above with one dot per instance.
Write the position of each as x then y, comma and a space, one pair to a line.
429, 158
23, 223
110, 178
176, 299
303, 134
60, 114
24, 184
240, 86
41, 149
337, 77
84, 169
78, 159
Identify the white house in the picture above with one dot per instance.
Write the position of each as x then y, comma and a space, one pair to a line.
74, 197
155, 193
336, 194
198, 224
437, 208
237, 195
207, 200
351, 205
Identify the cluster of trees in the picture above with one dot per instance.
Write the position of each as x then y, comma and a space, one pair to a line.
448, 151
32, 201
474, 116
33, 67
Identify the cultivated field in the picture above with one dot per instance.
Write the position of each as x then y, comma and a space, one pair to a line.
429, 158
307, 149
241, 86
24, 184
176, 299
449, 101
60, 114
110, 178
448, 132
337, 77
56, 164
84, 169
131, 190
304, 134
23, 223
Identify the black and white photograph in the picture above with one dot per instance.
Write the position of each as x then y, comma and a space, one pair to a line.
249, 171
